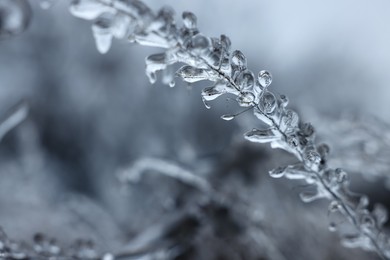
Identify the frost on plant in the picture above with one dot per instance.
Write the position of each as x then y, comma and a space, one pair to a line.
214, 60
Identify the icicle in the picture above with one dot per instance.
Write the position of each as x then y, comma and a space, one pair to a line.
154, 63
102, 33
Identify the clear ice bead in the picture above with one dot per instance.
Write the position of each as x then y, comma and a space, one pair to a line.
267, 102
264, 78
238, 60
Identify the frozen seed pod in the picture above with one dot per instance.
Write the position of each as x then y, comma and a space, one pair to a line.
264, 78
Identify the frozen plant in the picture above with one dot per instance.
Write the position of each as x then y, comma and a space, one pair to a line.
211, 58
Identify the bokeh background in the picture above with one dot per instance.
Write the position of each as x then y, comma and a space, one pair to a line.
92, 115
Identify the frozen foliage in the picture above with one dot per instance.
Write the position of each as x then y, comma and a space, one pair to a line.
14, 17
363, 136
211, 58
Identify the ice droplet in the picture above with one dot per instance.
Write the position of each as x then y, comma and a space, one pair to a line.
102, 33
228, 117
261, 136
238, 60
267, 102
264, 78
189, 20
172, 84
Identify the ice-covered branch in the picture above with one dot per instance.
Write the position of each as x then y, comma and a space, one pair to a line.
211, 59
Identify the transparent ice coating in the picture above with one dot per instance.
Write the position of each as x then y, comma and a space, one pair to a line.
211, 59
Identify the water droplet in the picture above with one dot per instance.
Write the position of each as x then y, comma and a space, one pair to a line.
102, 33
261, 136
265, 78
238, 60
228, 117
189, 20
277, 173
267, 102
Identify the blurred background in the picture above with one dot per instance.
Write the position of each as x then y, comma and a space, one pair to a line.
91, 116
